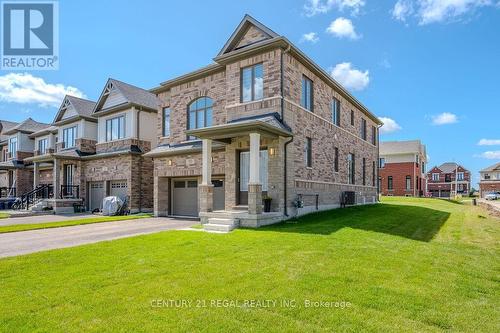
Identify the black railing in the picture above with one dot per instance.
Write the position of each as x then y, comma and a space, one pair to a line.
7, 192
32, 197
70, 192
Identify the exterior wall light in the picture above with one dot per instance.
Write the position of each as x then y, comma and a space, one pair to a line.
272, 151
169, 162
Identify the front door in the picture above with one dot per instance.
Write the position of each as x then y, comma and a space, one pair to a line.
244, 171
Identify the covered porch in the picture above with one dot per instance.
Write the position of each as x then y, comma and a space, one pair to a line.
254, 162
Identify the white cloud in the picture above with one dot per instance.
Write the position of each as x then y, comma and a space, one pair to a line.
490, 155
311, 37
390, 125
314, 7
402, 9
489, 142
435, 11
29, 89
350, 77
342, 28
444, 118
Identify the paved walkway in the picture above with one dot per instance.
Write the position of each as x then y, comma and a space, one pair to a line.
44, 218
17, 243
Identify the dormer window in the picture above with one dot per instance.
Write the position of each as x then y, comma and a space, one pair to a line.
252, 83
115, 128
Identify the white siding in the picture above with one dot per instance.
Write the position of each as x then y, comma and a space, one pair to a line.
70, 112
24, 143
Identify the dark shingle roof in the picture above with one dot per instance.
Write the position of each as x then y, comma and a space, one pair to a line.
83, 107
5, 126
28, 126
449, 167
493, 167
136, 95
268, 118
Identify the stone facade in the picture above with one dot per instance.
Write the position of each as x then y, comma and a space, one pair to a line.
319, 181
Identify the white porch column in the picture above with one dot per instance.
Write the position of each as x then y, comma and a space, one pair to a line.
36, 174
206, 172
254, 185
55, 175
254, 158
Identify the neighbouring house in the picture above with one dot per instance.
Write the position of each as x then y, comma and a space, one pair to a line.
95, 149
263, 121
489, 180
402, 168
17, 147
447, 180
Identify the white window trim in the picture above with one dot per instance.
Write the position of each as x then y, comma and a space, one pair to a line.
124, 127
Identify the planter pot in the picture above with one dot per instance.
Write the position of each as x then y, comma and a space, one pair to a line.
267, 205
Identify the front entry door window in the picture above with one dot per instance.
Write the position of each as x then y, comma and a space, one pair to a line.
245, 174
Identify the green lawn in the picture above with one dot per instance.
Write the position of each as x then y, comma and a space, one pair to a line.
67, 223
404, 265
4, 215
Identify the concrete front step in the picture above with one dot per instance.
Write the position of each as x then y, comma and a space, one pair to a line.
218, 227
218, 220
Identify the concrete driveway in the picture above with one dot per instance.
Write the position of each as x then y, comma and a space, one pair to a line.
44, 218
23, 242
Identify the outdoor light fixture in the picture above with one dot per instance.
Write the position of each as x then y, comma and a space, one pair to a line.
169, 162
271, 151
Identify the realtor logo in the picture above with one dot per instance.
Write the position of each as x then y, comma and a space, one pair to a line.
30, 35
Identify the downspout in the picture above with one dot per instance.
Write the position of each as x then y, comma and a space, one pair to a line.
285, 175
378, 184
138, 127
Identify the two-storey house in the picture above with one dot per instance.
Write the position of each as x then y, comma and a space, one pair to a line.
447, 180
489, 180
262, 121
402, 168
17, 177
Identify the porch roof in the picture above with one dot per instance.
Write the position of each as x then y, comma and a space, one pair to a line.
267, 125
179, 149
12, 164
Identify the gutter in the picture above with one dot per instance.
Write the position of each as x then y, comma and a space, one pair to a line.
285, 155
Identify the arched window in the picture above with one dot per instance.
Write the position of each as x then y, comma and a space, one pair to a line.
200, 113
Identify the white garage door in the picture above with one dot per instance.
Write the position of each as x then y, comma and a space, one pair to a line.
185, 197
96, 195
118, 188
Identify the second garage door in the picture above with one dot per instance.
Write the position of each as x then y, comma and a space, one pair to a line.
185, 197
118, 188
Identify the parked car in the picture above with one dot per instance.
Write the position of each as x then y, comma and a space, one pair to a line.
492, 196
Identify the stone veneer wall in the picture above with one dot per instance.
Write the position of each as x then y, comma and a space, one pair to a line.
46, 176
4, 178
86, 145
112, 146
24, 181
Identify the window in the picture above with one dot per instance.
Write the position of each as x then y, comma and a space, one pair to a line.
351, 169
336, 111
352, 117
379, 183
166, 122
69, 137
363, 129
417, 159
42, 146
487, 176
364, 171
308, 152
447, 178
460, 176
374, 135
4, 155
417, 186
13, 146
306, 99
381, 162
252, 83
423, 167
408, 183
435, 177
389, 183
373, 173
200, 113
336, 160
115, 128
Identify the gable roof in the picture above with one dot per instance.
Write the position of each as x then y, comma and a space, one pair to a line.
132, 94
83, 107
27, 126
494, 167
401, 147
246, 24
44, 131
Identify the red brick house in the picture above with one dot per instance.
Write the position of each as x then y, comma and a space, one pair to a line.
490, 179
447, 179
402, 168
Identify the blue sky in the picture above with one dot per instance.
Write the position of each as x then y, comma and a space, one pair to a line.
431, 68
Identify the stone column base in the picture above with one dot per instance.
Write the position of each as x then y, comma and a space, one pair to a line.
206, 195
254, 198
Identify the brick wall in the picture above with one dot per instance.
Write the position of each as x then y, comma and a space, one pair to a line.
399, 171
